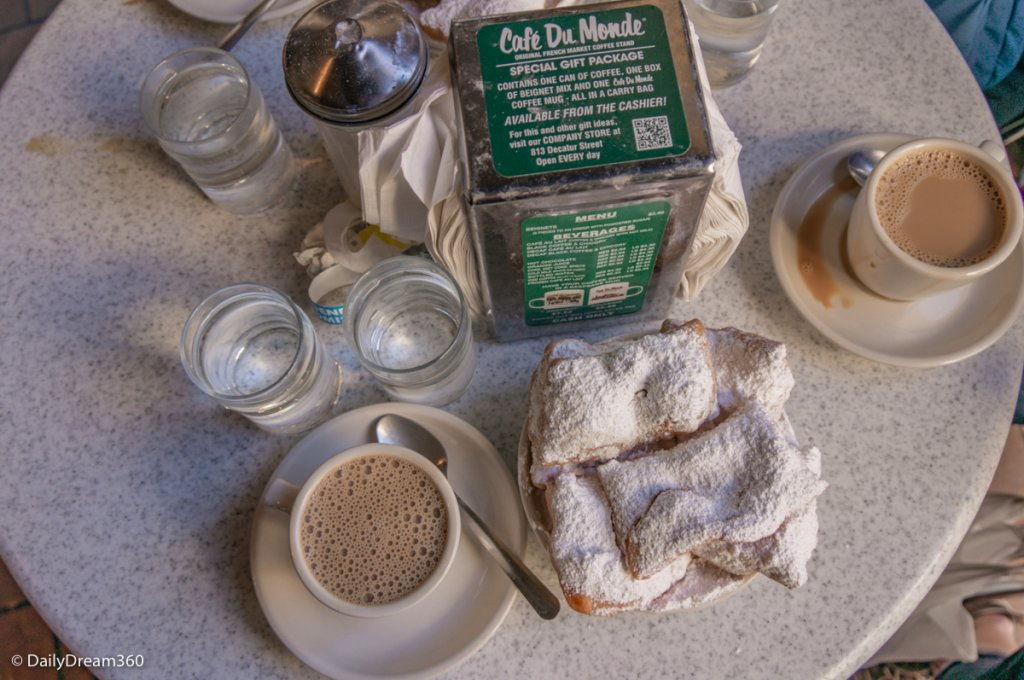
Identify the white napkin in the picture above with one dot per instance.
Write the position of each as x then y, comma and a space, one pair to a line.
402, 166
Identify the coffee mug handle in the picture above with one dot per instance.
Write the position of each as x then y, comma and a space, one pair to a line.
994, 149
281, 495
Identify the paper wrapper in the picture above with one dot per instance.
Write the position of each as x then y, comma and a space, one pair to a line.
725, 219
408, 167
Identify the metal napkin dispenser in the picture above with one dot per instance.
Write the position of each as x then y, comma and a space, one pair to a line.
587, 159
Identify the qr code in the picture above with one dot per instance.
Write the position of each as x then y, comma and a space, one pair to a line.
652, 133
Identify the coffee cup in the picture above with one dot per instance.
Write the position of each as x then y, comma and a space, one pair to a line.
372, 531
934, 214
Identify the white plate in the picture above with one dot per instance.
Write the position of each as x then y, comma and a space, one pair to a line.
935, 331
233, 11
444, 629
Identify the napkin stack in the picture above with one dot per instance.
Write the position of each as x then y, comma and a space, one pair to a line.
411, 186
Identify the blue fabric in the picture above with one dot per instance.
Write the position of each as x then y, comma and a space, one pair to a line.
987, 667
1018, 413
989, 33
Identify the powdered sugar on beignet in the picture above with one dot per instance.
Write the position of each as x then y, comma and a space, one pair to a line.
736, 483
749, 367
589, 404
664, 471
590, 567
782, 556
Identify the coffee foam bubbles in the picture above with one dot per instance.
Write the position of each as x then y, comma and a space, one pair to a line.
897, 185
374, 530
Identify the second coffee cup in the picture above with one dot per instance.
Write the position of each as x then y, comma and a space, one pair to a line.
935, 214
373, 530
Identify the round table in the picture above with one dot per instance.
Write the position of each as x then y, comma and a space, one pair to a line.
128, 496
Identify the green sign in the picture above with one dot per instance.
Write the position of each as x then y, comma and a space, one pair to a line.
581, 90
590, 265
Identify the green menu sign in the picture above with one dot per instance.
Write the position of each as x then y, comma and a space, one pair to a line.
579, 90
590, 265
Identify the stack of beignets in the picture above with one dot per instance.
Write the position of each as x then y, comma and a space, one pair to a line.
664, 471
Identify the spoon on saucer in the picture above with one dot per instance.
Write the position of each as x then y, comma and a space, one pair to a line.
395, 429
860, 163
242, 27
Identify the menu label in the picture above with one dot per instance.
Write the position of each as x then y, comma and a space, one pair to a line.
580, 90
590, 265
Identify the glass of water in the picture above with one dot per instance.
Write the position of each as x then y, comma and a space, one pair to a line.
731, 35
210, 117
253, 350
409, 326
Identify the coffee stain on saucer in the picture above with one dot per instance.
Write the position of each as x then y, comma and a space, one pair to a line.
810, 256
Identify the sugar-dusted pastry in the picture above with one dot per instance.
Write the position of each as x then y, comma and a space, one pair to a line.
590, 403
664, 472
590, 567
782, 556
747, 367
736, 483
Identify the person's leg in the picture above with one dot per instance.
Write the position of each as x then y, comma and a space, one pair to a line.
997, 629
1009, 476
996, 635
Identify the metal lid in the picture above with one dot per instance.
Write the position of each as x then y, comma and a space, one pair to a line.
353, 61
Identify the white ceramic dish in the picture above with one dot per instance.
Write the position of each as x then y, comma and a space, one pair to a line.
232, 11
934, 331
450, 624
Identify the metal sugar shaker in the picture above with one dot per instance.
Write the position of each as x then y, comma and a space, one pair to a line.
352, 65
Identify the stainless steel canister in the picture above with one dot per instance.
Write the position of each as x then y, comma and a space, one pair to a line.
351, 65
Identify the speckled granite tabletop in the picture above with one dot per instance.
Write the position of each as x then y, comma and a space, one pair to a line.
127, 497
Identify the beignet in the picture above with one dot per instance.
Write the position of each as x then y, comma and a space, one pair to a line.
668, 470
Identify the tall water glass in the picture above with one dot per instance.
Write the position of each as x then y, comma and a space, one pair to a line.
208, 115
249, 347
731, 35
408, 324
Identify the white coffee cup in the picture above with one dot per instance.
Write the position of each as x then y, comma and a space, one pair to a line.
885, 268
294, 500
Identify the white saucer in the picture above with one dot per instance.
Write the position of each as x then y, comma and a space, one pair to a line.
935, 331
232, 11
444, 629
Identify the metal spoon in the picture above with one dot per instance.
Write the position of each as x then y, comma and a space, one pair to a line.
394, 429
243, 26
861, 163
